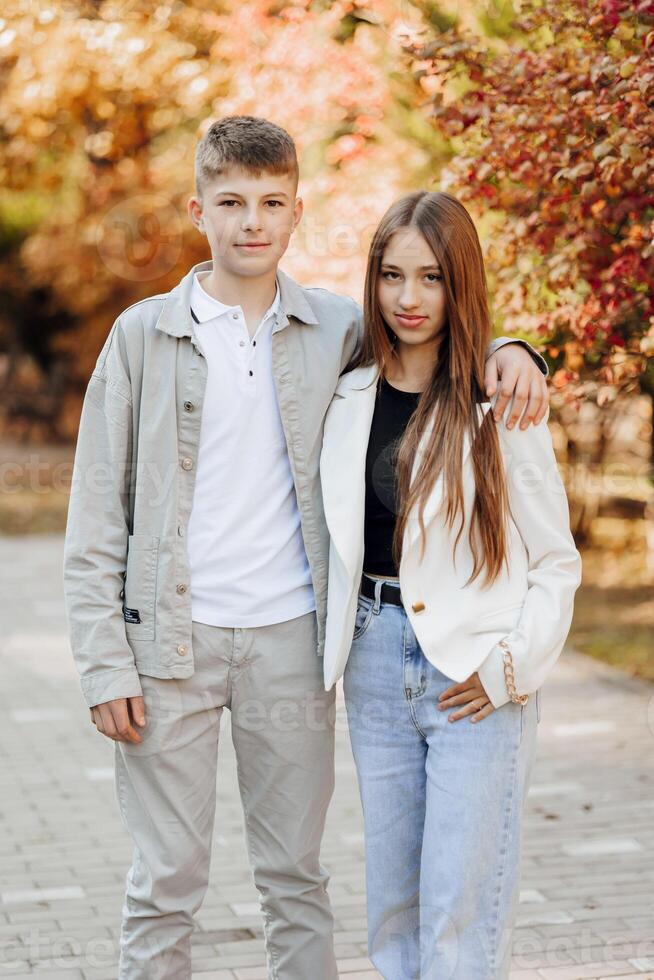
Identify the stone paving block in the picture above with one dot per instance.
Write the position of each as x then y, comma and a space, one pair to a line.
353, 922
21, 896
109, 972
588, 971
351, 936
243, 946
210, 970
354, 964
51, 974
13, 954
631, 976
365, 975
348, 951
543, 916
25, 916
232, 960
606, 845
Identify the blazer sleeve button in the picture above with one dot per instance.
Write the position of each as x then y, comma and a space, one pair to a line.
417, 606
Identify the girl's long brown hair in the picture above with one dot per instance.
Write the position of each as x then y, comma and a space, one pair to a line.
455, 386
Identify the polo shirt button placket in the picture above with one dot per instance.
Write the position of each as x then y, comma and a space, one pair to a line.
249, 354
242, 343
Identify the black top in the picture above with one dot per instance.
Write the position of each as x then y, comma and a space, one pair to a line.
393, 409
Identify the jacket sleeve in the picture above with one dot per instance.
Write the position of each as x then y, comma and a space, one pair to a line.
95, 547
502, 341
539, 508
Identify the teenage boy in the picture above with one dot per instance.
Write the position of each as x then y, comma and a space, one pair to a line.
196, 559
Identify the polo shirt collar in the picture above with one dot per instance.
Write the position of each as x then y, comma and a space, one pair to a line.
206, 307
175, 318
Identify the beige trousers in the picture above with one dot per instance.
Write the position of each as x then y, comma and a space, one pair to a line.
282, 723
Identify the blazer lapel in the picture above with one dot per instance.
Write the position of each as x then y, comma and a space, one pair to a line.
343, 461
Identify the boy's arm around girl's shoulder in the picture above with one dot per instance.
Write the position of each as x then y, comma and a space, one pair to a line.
97, 529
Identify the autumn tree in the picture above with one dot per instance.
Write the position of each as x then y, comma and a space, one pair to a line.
552, 134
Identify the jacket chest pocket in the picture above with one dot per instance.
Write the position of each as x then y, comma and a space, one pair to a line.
139, 593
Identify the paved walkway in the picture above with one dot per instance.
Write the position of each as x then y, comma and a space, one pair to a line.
587, 899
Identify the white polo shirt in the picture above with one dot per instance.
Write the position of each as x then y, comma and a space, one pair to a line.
246, 552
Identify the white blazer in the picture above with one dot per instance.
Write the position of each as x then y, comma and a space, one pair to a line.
458, 628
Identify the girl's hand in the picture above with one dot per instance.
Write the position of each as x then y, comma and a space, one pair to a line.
469, 693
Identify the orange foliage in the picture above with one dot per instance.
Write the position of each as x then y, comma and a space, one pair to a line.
101, 109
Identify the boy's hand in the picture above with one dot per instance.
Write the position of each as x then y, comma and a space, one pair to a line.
114, 718
470, 693
520, 378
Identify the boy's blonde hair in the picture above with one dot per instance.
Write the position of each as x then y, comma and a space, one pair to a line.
249, 142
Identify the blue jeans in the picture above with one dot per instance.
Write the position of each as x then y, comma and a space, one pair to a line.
442, 806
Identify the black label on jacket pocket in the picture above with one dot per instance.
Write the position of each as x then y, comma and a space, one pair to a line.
131, 615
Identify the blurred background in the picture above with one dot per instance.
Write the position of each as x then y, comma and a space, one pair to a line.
539, 117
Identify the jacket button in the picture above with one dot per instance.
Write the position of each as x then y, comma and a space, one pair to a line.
181, 588
188, 406
187, 463
417, 606
181, 649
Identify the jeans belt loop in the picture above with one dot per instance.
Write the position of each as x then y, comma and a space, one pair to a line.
377, 602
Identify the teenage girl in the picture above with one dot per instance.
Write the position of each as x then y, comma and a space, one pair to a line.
452, 574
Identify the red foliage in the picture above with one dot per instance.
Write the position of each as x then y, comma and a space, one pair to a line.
555, 132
